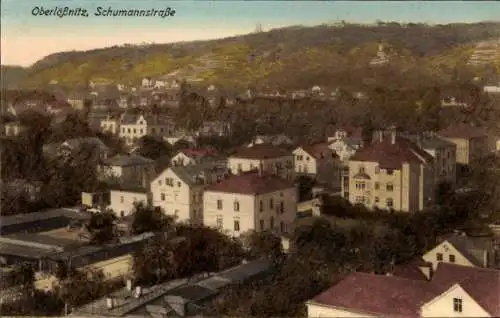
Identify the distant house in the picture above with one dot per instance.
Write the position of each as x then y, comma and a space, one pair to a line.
453, 291
271, 159
147, 82
72, 146
134, 127
13, 128
77, 100
128, 169
492, 89
472, 142
345, 147
193, 156
123, 200
250, 201
275, 140
215, 128
465, 251
318, 161
390, 173
179, 190
110, 125
341, 132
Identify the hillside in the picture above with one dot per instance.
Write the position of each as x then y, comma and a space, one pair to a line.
289, 56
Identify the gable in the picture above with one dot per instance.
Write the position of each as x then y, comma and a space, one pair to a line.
181, 155
446, 248
443, 305
300, 151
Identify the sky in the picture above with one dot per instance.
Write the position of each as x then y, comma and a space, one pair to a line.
26, 38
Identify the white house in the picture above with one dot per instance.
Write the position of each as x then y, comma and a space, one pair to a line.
131, 169
340, 132
273, 159
122, 201
147, 82
275, 140
319, 162
179, 190
110, 125
463, 250
250, 201
134, 127
345, 148
187, 157
453, 291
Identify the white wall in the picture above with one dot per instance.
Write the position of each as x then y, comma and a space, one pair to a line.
268, 165
446, 249
316, 311
124, 201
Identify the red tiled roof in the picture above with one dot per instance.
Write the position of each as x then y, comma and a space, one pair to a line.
261, 151
318, 150
392, 156
482, 284
411, 270
463, 131
394, 296
378, 295
250, 183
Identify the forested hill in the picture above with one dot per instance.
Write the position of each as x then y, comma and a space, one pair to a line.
267, 57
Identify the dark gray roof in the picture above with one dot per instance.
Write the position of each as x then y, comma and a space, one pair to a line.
42, 215
189, 173
128, 160
22, 250
470, 246
193, 293
436, 143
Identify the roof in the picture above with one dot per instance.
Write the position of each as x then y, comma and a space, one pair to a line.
482, 284
78, 142
392, 156
402, 297
463, 131
378, 295
197, 153
190, 174
22, 250
42, 215
261, 151
436, 142
128, 160
411, 270
467, 246
250, 183
318, 150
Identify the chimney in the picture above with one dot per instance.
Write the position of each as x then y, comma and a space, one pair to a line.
261, 169
381, 136
138, 291
129, 285
393, 136
109, 303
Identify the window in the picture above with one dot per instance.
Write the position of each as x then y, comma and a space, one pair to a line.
377, 185
236, 206
178, 184
219, 204
271, 203
159, 182
122, 199
261, 225
439, 257
271, 222
361, 169
282, 207
219, 222
389, 203
163, 196
390, 187
457, 304
377, 169
390, 172
299, 158
452, 258
307, 158
129, 130
237, 225
305, 169
135, 130
239, 167
377, 200
282, 227
360, 185
261, 206
122, 213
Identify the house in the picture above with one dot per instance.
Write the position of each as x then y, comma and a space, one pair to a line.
390, 173
381, 59
472, 142
444, 153
465, 251
73, 146
193, 156
147, 82
134, 127
345, 148
13, 128
179, 190
215, 128
123, 200
453, 291
319, 162
273, 159
275, 140
251, 200
340, 132
110, 125
128, 169
77, 100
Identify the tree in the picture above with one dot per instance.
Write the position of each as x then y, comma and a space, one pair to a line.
101, 227
181, 144
147, 218
153, 148
264, 244
81, 287
305, 184
156, 262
